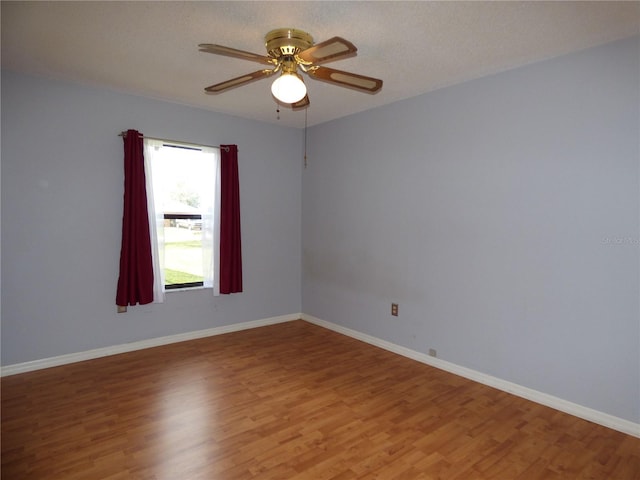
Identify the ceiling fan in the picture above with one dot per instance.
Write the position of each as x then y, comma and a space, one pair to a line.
290, 50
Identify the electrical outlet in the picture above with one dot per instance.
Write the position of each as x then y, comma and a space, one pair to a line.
394, 309
432, 352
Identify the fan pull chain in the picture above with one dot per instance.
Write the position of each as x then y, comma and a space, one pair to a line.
305, 137
278, 111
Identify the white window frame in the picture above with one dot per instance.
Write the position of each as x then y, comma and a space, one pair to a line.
210, 218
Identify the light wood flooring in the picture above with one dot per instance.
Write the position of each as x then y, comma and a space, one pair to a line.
288, 401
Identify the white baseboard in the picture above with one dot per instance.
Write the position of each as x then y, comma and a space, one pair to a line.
130, 347
595, 416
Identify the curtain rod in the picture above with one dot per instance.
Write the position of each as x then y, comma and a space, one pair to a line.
226, 149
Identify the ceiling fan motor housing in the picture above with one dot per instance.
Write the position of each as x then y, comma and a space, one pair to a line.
287, 42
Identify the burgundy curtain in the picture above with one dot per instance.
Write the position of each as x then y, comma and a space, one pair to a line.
230, 244
135, 283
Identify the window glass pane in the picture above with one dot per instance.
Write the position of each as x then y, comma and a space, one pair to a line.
185, 176
183, 251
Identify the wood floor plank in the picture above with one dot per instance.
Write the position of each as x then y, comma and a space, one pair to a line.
288, 402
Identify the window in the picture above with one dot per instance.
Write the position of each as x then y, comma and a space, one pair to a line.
183, 183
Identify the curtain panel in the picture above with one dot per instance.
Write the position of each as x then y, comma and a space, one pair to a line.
230, 241
156, 218
135, 282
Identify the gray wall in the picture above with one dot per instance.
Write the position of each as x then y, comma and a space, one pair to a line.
62, 187
502, 214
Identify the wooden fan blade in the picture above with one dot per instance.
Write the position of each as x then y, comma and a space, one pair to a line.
333, 49
346, 79
300, 104
235, 53
238, 81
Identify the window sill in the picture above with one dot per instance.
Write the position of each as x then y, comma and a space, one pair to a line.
186, 289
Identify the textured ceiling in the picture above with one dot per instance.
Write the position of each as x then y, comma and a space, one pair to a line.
150, 48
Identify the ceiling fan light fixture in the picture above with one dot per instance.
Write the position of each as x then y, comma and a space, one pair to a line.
289, 88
